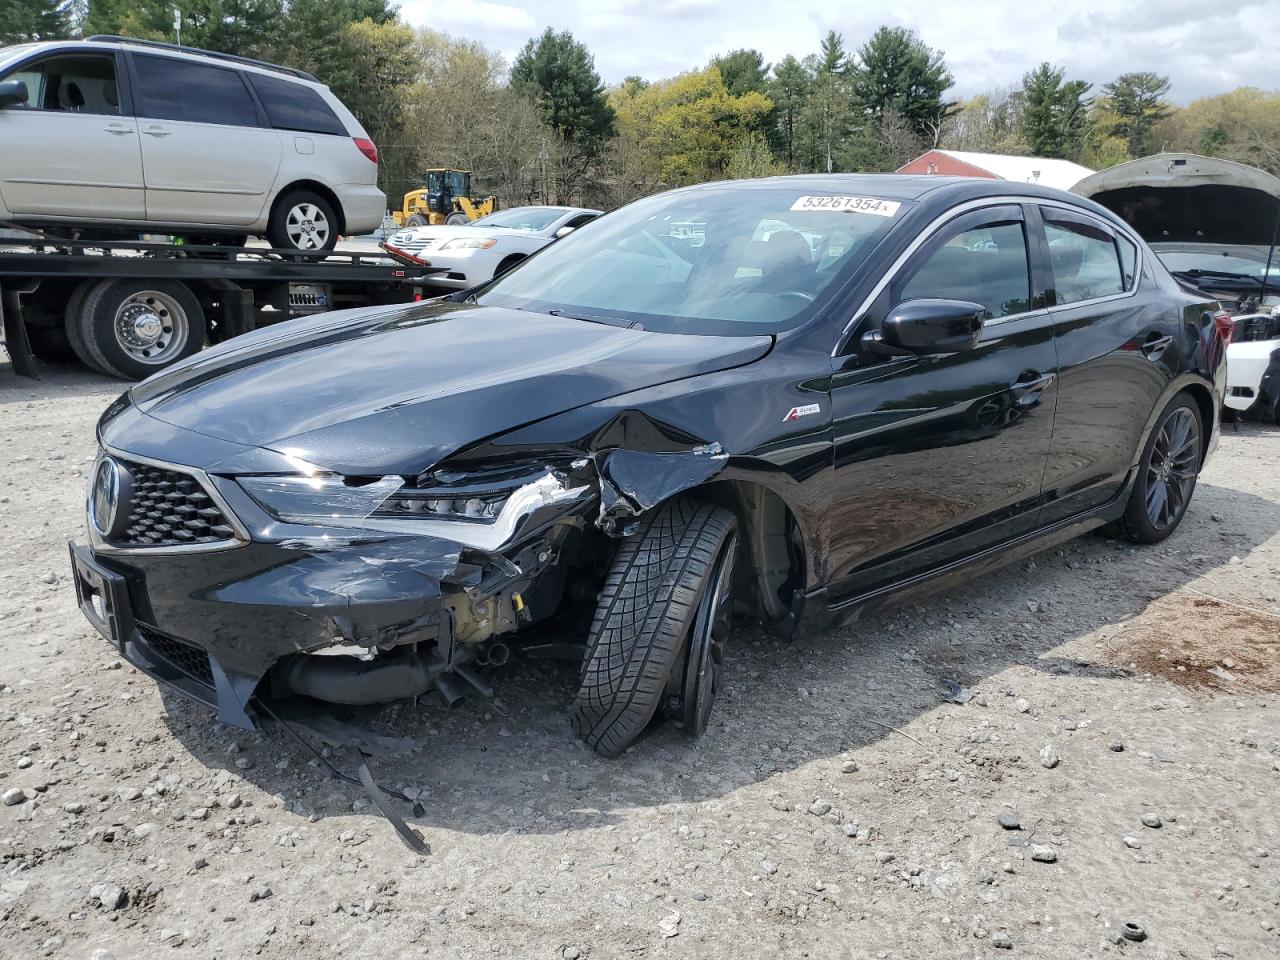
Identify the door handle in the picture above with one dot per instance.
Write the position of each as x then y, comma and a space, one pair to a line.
1155, 346
1026, 389
118, 131
157, 132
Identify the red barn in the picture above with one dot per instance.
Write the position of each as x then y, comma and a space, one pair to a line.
1062, 174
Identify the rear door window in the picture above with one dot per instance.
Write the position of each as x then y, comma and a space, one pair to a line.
295, 106
71, 84
172, 89
1083, 254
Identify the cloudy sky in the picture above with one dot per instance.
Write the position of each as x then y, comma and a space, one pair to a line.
1204, 47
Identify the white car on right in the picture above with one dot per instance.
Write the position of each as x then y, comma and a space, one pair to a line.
1253, 366
1214, 224
471, 253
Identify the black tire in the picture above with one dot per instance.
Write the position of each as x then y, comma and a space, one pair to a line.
51, 344
97, 327
508, 263
416, 220
1143, 520
643, 619
292, 205
457, 220
72, 323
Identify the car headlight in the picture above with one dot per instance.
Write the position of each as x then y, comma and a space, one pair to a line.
483, 509
468, 243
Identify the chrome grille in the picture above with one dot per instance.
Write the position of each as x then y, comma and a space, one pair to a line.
170, 508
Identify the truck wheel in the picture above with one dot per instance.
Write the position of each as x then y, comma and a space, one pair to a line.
664, 605
415, 220
457, 219
1166, 474
71, 322
134, 328
302, 220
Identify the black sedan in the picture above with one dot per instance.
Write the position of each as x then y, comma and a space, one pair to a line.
790, 397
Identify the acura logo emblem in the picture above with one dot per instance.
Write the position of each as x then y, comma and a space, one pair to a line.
109, 497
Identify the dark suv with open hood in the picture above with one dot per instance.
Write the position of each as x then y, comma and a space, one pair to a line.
793, 397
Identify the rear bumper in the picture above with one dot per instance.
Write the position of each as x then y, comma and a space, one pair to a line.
363, 207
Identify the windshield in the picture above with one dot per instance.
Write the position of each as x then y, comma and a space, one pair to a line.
729, 260
1247, 261
523, 218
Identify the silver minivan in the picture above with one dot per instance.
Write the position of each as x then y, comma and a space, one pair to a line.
124, 135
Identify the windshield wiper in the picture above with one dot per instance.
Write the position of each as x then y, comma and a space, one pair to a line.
606, 321
1196, 272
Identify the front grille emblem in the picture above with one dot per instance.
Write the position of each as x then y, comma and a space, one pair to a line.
109, 498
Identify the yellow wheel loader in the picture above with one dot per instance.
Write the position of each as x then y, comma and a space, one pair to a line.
445, 199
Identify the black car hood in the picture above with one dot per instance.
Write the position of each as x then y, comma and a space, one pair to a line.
395, 392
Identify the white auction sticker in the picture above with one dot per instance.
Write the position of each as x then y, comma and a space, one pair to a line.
871, 205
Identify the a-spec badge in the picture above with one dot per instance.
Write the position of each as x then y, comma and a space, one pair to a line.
795, 413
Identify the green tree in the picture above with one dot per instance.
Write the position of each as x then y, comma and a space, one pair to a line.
683, 130
895, 71
1241, 125
832, 57
561, 74
743, 71
825, 119
23, 20
248, 28
1056, 116
752, 157
1138, 100
789, 89
990, 123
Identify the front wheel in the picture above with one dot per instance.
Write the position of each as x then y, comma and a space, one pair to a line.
457, 220
1166, 474
659, 627
303, 220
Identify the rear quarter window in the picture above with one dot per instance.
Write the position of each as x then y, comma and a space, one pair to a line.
293, 106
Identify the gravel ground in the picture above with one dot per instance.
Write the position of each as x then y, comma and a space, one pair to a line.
1119, 715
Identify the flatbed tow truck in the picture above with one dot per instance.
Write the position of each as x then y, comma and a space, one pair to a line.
129, 309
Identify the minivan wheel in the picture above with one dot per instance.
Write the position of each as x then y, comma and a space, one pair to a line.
669, 586
303, 220
1166, 474
134, 328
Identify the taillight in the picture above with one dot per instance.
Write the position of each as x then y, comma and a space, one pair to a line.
1225, 326
368, 148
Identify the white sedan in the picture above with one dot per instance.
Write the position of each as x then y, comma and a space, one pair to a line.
474, 252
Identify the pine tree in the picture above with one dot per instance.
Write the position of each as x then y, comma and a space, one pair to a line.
1138, 100
1056, 113
894, 71
24, 20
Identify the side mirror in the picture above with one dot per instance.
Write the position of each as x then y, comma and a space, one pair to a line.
12, 93
927, 327
564, 232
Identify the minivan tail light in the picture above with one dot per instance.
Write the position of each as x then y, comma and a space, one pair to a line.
368, 148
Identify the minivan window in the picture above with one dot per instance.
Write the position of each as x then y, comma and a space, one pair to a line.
170, 89
1084, 260
76, 83
295, 106
985, 264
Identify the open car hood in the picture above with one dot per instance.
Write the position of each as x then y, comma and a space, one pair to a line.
1185, 198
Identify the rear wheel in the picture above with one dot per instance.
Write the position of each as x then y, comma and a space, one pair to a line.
457, 219
133, 328
303, 220
416, 220
659, 626
73, 324
1166, 474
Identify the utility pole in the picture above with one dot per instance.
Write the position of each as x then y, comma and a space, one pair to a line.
542, 164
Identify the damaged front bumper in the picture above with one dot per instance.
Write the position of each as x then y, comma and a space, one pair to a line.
374, 611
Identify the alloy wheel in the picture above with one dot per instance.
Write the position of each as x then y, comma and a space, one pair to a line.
1172, 469
307, 226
